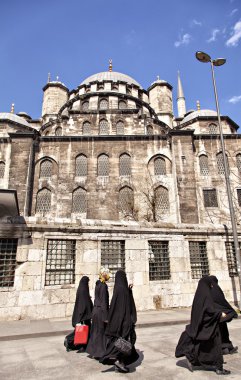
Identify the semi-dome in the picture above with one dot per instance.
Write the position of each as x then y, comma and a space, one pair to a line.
199, 113
15, 118
111, 76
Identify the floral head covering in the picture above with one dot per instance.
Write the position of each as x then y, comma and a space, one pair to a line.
104, 274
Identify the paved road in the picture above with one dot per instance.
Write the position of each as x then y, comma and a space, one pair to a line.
46, 358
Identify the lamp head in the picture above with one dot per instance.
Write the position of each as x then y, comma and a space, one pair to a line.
219, 61
203, 57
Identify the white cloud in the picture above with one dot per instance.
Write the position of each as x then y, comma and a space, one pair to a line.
233, 12
235, 99
234, 39
214, 35
183, 40
195, 22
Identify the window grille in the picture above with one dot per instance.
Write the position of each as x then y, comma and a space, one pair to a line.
8, 250
81, 167
203, 164
210, 198
58, 131
86, 128
2, 169
159, 261
103, 105
149, 130
238, 161
213, 129
85, 106
113, 255
43, 202
60, 265
104, 127
159, 166
46, 169
126, 200
231, 258
125, 165
239, 196
220, 163
79, 201
161, 200
198, 259
120, 128
103, 165
122, 105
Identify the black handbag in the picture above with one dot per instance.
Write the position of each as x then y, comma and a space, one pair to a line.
123, 346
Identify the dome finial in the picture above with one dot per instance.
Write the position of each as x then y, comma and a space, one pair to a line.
158, 77
49, 78
110, 64
12, 108
57, 78
198, 105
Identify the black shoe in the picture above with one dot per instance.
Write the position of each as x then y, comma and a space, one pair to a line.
66, 345
189, 365
226, 351
233, 350
222, 372
120, 367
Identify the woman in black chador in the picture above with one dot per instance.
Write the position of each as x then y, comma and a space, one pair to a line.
222, 304
97, 342
121, 321
82, 312
201, 340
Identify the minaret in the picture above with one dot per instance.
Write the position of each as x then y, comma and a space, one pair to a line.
181, 103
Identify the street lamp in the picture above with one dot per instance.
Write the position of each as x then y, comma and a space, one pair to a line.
205, 58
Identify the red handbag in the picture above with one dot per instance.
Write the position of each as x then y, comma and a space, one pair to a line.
81, 334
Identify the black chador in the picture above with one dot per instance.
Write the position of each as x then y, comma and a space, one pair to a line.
97, 342
82, 312
121, 320
222, 304
201, 340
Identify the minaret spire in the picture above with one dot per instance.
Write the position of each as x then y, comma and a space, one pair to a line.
181, 103
12, 108
110, 64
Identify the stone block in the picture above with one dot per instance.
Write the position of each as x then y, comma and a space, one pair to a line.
30, 268
28, 282
10, 313
35, 254
34, 297
43, 311
22, 255
69, 309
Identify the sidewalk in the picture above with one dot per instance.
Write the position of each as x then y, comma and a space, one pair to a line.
24, 329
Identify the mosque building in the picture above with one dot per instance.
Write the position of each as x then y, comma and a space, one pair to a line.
108, 175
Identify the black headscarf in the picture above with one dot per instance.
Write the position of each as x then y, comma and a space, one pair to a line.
220, 301
83, 304
204, 316
119, 316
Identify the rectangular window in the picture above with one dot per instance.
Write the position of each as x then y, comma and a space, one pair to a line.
231, 258
159, 262
8, 250
198, 259
60, 266
210, 198
113, 255
239, 196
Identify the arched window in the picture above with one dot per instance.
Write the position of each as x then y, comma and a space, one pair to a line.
120, 128
79, 201
238, 161
104, 127
46, 169
2, 169
126, 200
86, 128
122, 105
103, 165
103, 105
213, 129
203, 164
220, 163
125, 165
149, 130
85, 106
161, 199
58, 131
115, 88
43, 201
160, 166
81, 166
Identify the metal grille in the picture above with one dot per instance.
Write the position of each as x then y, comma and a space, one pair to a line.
159, 166
103, 105
210, 198
86, 128
113, 255
79, 202
60, 265
203, 163
159, 262
213, 129
43, 202
85, 106
238, 161
220, 163
2, 169
125, 165
239, 196
103, 165
162, 199
120, 128
8, 250
231, 258
104, 127
122, 105
58, 131
198, 259
45, 169
149, 130
126, 200
81, 167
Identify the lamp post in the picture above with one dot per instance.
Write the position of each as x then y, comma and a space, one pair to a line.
204, 57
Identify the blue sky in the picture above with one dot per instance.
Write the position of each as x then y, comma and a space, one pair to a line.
74, 39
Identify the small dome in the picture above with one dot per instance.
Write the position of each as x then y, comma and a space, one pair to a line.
111, 76
15, 118
200, 113
24, 115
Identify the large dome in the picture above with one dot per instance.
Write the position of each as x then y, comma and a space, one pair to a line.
201, 113
111, 76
